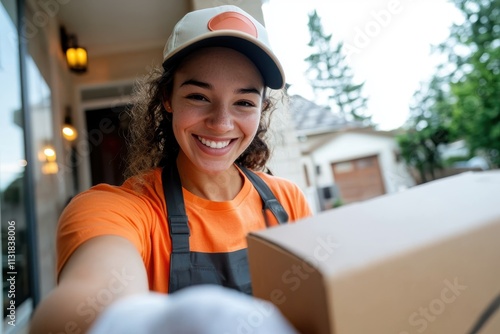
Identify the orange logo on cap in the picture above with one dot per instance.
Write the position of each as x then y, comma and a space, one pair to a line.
232, 21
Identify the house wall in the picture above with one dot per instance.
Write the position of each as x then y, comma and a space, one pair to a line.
308, 166
348, 146
106, 68
284, 146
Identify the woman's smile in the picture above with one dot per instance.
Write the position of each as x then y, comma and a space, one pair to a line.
213, 143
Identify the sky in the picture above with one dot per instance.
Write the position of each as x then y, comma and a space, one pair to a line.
388, 42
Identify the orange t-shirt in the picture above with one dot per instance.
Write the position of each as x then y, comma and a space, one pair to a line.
137, 212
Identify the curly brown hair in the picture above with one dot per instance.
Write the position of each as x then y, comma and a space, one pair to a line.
151, 141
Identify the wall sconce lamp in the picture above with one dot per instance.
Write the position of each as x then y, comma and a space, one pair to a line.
47, 157
68, 131
76, 56
49, 154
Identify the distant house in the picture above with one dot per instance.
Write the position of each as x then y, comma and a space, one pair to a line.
343, 160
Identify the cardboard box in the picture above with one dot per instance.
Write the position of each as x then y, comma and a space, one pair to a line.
426, 260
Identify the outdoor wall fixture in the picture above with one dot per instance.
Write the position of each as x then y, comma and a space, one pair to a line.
76, 56
68, 131
49, 154
47, 157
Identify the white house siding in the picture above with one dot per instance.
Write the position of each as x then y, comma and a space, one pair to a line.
311, 190
352, 145
286, 156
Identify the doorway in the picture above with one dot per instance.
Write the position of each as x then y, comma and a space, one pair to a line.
107, 131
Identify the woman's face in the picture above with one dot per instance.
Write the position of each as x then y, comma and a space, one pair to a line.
216, 106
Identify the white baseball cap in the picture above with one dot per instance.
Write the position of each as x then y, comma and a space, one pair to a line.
225, 26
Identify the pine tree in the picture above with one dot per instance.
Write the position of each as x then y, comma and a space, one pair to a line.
329, 73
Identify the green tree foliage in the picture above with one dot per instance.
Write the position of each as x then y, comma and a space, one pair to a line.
329, 73
475, 82
462, 101
427, 128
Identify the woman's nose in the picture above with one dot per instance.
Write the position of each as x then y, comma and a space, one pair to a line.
220, 119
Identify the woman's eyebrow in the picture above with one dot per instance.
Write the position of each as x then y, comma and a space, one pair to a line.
206, 85
248, 91
196, 83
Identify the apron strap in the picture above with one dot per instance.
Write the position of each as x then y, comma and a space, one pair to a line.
177, 218
269, 201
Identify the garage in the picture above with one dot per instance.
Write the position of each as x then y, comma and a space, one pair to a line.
358, 179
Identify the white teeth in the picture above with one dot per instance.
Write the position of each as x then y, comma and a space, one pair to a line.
214, 144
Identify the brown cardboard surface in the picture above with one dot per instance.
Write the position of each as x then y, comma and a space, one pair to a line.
426, 260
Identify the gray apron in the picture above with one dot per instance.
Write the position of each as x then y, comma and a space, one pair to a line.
191, 268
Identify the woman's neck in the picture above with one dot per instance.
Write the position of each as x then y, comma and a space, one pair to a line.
219, 187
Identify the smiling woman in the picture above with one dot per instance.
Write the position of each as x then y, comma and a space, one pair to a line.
196, 184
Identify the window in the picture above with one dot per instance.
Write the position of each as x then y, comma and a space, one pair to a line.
16, 276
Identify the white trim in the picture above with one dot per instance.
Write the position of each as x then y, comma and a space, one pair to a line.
107, 84
105, 103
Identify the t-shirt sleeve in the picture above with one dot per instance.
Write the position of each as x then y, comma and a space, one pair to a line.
103, 210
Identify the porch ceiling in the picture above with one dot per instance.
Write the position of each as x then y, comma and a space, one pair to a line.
113, 26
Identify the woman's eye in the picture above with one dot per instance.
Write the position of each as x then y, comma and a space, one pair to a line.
245, 103
197, 97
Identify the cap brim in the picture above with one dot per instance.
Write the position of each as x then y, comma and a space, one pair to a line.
258, 53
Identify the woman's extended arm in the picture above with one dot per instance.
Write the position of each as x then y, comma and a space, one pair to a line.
101, 271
